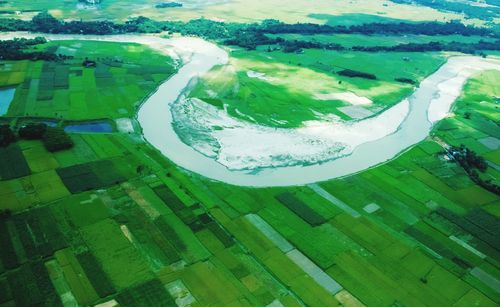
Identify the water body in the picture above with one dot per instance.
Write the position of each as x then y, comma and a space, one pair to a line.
6, 97
426, 105
429, 103
94, 127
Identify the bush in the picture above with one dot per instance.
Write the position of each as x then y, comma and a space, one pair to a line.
32, 131
56, 139
406, 80
359, 74
6, 135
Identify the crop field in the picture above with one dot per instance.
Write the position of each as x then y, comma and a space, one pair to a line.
111, 221
124, 75
293, 88
411, 228
233, 10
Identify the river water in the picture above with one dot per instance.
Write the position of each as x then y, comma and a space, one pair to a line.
429, 103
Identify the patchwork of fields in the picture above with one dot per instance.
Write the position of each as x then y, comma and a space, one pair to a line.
124, 75
111, 220
233, 10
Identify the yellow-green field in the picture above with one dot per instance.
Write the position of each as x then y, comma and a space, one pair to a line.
319, 11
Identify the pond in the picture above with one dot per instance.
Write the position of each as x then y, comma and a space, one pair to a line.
6, 97
93, 127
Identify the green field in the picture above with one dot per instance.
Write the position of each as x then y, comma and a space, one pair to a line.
125, 74
289, 94
111, 221
185, 237
321, 11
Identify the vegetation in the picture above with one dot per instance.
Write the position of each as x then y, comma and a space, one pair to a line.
300, 208
252, 35
471, 48
56, 139
356, 74
13, 163
468, 8
19, 49
470, 161
168, 5
406, 80
6, 135
112, 219
33, 131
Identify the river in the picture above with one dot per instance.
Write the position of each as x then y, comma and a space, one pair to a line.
429, 103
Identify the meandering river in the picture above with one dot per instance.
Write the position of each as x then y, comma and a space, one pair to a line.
429, 103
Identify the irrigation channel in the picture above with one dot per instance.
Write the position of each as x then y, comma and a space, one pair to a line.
369, 142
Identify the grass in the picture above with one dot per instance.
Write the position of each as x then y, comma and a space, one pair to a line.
288, 97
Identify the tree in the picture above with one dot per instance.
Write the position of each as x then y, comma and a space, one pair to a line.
56, 139
46, 23
6, 135
33, 131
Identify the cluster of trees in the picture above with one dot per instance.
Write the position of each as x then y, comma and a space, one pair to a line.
470, 48
406, 80
7, 136
356, 74
423, 28
22, 49
168, 5
471, 162
53, 138
250, 36
46, 23
56, 139
297, 45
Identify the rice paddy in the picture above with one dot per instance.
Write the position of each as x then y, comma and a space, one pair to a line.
112, 221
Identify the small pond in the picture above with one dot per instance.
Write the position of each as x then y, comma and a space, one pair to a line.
6, 97
103, 127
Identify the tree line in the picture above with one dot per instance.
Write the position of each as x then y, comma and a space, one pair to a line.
46, 23
250, 36
53, 138
25, 49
